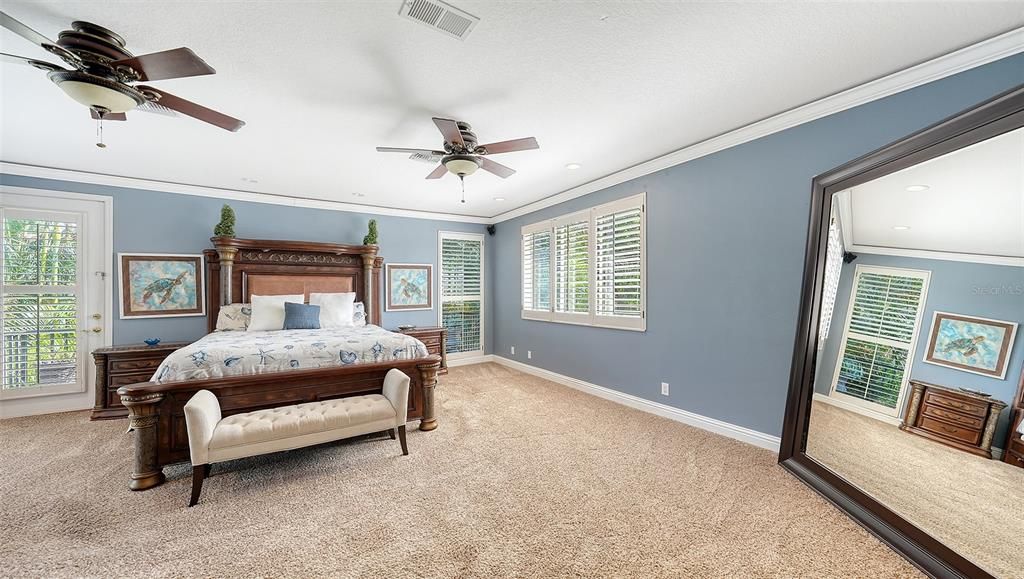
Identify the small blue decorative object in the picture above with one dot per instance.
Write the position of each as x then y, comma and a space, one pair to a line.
152, 341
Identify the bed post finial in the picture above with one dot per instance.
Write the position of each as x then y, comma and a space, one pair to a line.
226, 255
368, 298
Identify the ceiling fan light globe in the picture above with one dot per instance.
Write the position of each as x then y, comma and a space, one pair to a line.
97, 92
462, 165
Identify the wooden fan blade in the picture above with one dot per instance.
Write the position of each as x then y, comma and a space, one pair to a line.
411, 151
23, 31
496, 168
108, 116
189, 108
450, 130
513, 145
438, 173
40, 64
177, 63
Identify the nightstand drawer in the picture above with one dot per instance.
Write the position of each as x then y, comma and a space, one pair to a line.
953, 417
116, 382
135, 365
966, 406
968, 435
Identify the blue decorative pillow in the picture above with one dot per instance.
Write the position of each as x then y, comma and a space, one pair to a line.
301, 316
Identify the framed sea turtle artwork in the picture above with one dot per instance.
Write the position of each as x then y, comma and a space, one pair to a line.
972, 344
156, 285
409, 286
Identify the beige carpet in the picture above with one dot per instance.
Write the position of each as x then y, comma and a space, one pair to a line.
972, 504
523, 478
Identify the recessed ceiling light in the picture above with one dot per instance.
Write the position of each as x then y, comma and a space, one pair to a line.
499, 198
916, 188
573, 166
901, 227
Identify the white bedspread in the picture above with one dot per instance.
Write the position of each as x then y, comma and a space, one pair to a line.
223, 354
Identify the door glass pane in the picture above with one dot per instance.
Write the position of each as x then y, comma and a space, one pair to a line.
40, 304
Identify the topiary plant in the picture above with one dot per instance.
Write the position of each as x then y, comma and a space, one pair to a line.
371, 235
226, 227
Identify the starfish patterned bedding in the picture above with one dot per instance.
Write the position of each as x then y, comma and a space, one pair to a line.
223, 354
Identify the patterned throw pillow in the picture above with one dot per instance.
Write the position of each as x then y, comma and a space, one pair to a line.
359, 314
233, 317
301, 316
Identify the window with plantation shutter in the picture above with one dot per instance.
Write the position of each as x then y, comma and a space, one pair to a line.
40, 303
572, 265
537, 271
830, 288
462, 290
881, 332
588, 267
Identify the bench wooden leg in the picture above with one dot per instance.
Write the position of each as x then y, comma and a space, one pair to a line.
401, 439
391, 433
198, 474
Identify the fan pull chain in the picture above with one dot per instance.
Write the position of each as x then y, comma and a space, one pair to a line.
462, 180
99, 133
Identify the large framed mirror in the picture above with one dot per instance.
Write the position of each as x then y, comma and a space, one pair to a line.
906, 400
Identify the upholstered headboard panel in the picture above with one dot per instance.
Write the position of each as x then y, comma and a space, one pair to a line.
239, 268
268, 284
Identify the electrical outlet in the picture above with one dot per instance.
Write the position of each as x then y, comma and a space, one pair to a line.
513, 350
529, 354
664, 388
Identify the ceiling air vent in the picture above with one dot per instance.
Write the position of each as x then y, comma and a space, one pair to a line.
425, 158
440, 16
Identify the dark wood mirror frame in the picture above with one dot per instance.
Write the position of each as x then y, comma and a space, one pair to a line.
996, 116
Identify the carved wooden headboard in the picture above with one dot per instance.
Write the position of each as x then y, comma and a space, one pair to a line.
238, 268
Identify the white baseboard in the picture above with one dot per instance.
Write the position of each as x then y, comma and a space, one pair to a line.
891, 420
452, 363
733, 431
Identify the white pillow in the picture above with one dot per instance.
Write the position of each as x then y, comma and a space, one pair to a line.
268, 311
336, 310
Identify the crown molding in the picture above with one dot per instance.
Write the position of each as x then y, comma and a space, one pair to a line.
229, 194
984, 52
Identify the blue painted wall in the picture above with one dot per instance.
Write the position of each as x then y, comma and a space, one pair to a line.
725, 244
972, 289
156, 222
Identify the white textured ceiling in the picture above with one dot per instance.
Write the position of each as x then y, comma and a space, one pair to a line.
974, 204
606, 84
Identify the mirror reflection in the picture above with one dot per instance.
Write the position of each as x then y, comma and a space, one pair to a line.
919, 393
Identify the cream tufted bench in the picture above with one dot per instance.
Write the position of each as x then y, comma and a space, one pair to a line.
214, 439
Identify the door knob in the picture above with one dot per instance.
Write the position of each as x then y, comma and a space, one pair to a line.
95, 330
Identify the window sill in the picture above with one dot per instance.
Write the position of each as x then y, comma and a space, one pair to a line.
628, 324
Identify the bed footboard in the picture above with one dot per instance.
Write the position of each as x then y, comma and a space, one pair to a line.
157, 415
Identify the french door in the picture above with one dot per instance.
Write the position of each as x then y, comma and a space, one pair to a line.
55, 300
461, 285
882, 325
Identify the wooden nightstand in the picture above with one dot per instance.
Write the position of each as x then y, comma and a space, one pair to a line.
433, 338
953, 417
120, 365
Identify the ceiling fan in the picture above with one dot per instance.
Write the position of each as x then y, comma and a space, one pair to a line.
462, 155
103, 74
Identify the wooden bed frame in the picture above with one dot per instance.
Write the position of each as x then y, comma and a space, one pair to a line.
236, 269
1013, 450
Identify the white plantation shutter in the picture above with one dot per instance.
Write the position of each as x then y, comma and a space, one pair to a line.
588, 267
462, 291
619, 269
572, 266
537, 271
882, 326
40, 300
833, 270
